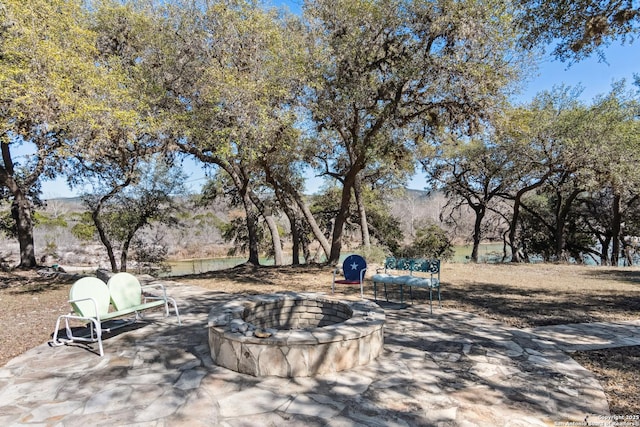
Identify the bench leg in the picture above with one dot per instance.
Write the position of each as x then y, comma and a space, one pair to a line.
166, 300
175, 309
95, 332
99, 335
431, 298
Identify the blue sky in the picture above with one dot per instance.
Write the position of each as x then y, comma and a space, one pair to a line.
596, 76
621, 62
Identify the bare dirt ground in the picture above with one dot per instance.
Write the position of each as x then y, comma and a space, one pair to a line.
518, 295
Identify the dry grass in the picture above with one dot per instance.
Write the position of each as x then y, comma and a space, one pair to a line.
618, 371
538, 295
30, 305
519, 295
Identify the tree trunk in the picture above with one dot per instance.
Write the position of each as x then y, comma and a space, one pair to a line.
267, 214
306, 253
252, 226
295, 241
278, 256
95, 215
341, 218
21, 213
627, 255
515, 253
616, 220
477, 231
124, 255
604, 252
559, 239
297, 235
517, 201
505, 246
315, 228
288, 206
241, 182
562, 212
364, 226
97, 221
20, 208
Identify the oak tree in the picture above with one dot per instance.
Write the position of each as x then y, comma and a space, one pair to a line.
389, 72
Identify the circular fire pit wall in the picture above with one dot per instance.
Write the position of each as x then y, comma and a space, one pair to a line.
294, 335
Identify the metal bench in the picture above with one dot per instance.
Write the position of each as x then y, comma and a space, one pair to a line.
394, 273
91, 300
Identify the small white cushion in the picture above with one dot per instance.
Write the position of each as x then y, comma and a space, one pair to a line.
383, 278
423, 282
402, 280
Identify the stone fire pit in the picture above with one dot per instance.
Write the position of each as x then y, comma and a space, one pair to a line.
294, 334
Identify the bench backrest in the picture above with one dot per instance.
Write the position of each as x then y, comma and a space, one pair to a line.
431, 266
125, 291
89, 287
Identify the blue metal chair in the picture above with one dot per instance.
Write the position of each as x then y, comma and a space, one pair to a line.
353, 270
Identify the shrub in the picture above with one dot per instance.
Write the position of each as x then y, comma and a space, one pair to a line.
373, 254
431, 242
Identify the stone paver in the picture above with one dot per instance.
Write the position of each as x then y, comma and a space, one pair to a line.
447, 369
591, 336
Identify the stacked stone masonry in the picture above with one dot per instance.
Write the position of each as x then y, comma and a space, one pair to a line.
294, 334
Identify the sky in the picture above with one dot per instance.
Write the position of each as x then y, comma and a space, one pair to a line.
594, 75
621, 62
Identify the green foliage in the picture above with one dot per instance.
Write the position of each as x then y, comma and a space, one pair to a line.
578, 27
373, 254
537, 240
98, 87
431, 241
389, 75
590, 154
544, 237
204, 219
51, 249
44, 220
324, 206
384, 227
150, 255
56, 94
7, 224
84, 231
236, 233
122, 210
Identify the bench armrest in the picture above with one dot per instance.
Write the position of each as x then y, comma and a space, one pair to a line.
158, 286
82, 316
